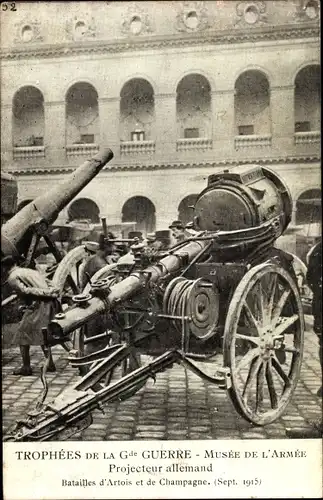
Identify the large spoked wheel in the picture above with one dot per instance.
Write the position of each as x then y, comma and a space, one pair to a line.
68, 278
263, 343
68, 274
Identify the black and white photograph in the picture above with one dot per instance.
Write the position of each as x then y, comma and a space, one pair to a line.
161, 221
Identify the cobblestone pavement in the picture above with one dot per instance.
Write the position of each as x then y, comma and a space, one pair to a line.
179, 405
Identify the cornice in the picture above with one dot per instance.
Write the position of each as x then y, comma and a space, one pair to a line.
268, 33
286, 160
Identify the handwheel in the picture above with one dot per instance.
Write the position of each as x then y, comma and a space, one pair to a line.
263, 343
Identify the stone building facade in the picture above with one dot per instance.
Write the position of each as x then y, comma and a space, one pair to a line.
178, 90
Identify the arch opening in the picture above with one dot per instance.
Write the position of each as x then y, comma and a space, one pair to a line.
252, 104
140, 210
82, 115
137, 111
185, 208
309, 208
307, 99
28, 118
85, 210
193, 107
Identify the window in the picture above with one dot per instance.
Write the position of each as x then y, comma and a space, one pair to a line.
33, 141
302, 127
191, 133
87, 139
246, 130
38, 141
137, 136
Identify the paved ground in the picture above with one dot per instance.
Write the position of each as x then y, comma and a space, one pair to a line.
178, 406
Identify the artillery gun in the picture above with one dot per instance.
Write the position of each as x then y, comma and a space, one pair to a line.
26, 235
224, 291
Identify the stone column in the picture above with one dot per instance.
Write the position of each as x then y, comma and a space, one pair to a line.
55, 133
282, 118
109, 112
223, 122
6, 135
165, 126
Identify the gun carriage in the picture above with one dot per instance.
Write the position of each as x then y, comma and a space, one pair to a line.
226, 290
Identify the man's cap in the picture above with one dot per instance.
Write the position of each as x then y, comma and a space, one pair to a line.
177, 224
91, 246
135, 234
151, 237
163, 234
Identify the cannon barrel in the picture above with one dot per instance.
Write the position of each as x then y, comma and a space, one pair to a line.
134, 283
45, 208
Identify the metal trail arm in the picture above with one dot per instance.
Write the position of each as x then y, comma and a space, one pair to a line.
71, 410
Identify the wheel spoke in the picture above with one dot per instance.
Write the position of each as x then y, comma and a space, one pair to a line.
260, 385
247, 359
281, 373
254, 367
279, 306
271, 386
272, 295
284, 324
250, 316
263, 342
260, 301
254, 340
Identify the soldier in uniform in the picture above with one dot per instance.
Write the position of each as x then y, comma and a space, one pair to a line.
40, 299
314, 280
98, 258
178, 231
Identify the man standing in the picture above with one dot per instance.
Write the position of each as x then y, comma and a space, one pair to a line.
178, 231
40, 301
98, 258
314, 280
